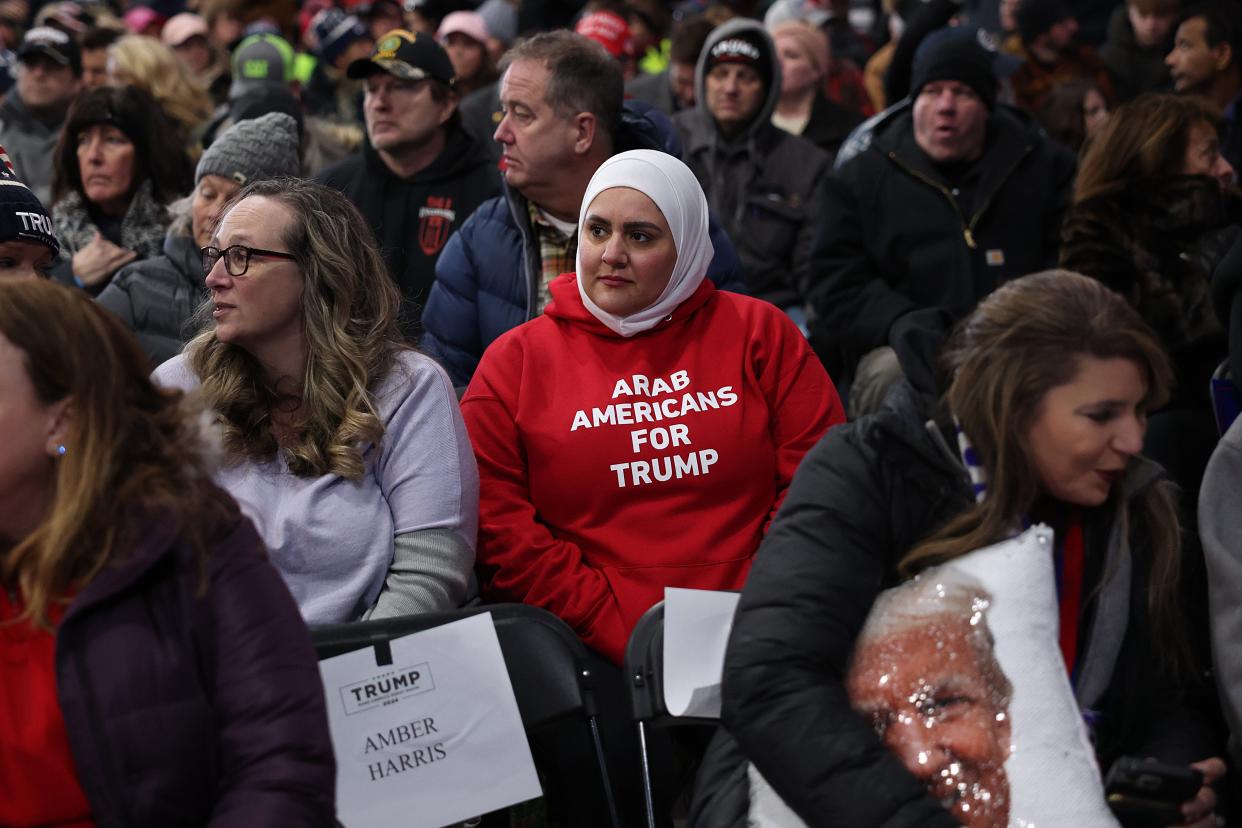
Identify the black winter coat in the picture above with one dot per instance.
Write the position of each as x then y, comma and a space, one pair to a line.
860, 501
1133, 69
893, 238
414, 217
830, 124
1157, 243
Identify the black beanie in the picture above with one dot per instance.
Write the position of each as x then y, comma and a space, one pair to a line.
1035, 17
746, 47
955, 53
22, 216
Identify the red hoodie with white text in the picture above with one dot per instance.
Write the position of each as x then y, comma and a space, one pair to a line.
612, 467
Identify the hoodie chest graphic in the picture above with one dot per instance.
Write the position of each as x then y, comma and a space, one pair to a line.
435, 224
660, 442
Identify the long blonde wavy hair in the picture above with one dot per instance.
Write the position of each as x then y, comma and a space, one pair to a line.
1022, 341
349, 316
130, 445
153, 67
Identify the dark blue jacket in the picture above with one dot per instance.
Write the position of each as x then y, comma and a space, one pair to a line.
487, 277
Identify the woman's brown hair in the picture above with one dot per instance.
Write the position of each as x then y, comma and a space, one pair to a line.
1145, 138
1022, 341
130, 445
159, 157
349, 316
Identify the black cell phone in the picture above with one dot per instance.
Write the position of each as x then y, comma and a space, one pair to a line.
1144, 792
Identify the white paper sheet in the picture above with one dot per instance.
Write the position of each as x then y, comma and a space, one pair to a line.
696, 630
432, 739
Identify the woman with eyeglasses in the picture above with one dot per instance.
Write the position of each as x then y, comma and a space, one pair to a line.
343, 445
156, 298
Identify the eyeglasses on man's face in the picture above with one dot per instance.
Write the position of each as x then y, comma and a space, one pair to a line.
237, 258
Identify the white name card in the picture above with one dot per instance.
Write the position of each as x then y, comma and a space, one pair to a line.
696, 630
433, 738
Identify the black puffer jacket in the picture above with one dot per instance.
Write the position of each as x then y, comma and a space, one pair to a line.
860, 501
156, 298
893, 238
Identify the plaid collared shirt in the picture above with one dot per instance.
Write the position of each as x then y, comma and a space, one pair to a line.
557, 253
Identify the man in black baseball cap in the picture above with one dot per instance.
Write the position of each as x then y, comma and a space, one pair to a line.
49, 69
419, 175
53, 44
409, 99
406, 55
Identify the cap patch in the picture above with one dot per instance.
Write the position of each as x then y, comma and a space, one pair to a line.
387, 48
735, 49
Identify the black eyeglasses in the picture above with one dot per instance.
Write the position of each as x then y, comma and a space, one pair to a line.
237, 258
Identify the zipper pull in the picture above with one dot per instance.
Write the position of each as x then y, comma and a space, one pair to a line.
969, 237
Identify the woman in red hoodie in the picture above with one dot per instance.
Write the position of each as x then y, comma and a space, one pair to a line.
641, 433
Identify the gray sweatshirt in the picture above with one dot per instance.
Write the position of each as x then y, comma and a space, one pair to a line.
1220, 527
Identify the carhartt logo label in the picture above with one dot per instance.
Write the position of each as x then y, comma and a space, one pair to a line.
387, 688
735, 50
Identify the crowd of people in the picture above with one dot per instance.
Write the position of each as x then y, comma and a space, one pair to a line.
325, 311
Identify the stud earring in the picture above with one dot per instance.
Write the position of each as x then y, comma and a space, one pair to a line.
61, 450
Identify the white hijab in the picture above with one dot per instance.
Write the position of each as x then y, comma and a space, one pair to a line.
675, 190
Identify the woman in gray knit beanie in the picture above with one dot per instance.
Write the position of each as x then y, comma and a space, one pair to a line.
157, 297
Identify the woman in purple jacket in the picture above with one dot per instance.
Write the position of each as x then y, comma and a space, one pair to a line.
155, 670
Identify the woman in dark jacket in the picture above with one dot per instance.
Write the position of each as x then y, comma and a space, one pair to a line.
803, 108
1153, 207
119, 163
1052, 375
156, 670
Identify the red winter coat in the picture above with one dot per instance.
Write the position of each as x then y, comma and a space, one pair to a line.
612, 467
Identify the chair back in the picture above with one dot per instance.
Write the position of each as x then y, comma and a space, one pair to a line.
644, 666
543, 656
